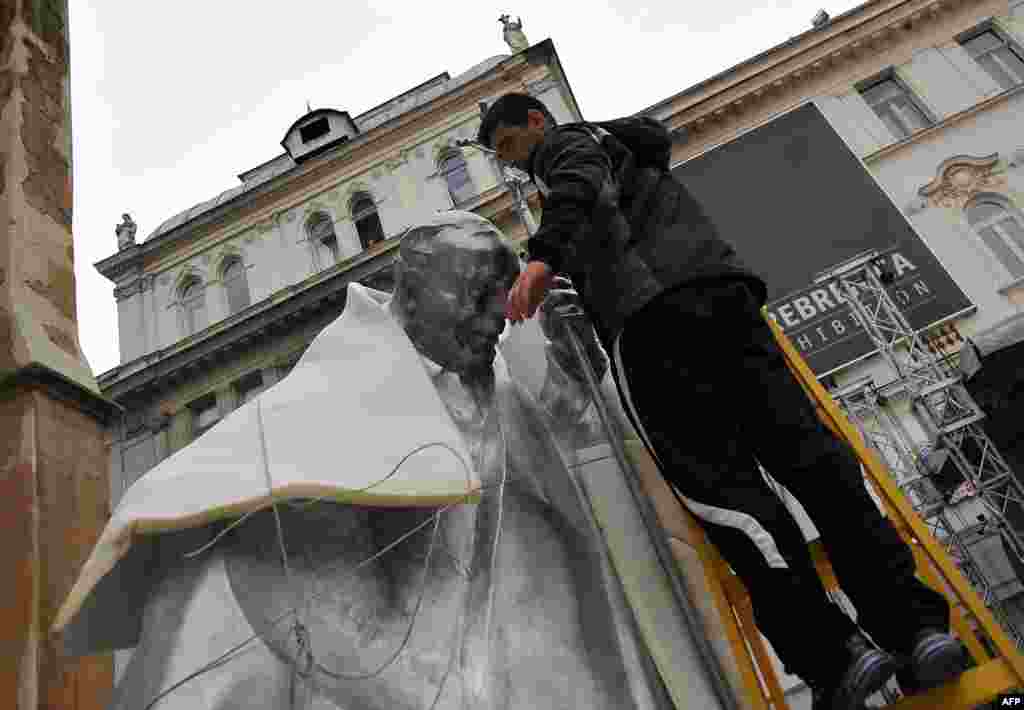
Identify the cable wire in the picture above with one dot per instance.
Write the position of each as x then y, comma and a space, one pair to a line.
233, 651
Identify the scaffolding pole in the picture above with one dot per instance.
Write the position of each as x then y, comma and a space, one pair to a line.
883, 432
948, 414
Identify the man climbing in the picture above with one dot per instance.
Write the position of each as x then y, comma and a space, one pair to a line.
680, 314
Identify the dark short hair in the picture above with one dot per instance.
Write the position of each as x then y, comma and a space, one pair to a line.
510, 110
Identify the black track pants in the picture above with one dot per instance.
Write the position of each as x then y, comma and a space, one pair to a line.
707, 386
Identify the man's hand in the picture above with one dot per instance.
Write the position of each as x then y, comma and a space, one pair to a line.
529, 291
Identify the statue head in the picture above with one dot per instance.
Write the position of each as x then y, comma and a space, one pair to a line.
452, 279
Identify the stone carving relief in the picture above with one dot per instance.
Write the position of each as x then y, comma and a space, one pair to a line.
960, 178
126, 291
139, 285
189, 271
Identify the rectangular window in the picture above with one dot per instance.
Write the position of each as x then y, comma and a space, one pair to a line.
1000, 58
205, 413
249, 386
894, 104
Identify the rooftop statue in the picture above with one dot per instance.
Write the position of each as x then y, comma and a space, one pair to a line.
125, 232
513, 33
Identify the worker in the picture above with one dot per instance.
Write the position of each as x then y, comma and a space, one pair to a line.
708, 389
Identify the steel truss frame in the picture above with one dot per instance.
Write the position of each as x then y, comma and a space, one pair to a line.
950, 418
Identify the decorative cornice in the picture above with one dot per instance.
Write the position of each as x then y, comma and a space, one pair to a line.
960, 178
735, 100
140, 284
59, 387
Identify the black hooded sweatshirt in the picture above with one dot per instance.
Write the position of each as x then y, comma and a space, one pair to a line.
619, 224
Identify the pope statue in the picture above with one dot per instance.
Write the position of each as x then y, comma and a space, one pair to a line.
394, 525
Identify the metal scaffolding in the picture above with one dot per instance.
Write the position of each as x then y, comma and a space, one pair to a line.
932, 389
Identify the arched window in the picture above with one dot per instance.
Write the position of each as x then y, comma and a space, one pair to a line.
1001, 227
321, 232
237, 286
456, 175
364, 214
193, 302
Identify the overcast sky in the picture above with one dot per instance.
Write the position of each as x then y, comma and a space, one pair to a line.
171, 101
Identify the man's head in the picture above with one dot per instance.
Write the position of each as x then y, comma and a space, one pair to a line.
452, 280
513, 125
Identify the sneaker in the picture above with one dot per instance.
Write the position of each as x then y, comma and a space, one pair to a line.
936, 658
867, 671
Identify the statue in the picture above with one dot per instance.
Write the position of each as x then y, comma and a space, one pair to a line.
125, 232
339, 585
513, 33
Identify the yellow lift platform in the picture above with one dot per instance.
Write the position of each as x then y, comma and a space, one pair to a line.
990, 675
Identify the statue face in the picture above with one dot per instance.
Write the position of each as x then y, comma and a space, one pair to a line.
459, 309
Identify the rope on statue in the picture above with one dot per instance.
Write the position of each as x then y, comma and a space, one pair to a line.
235, 650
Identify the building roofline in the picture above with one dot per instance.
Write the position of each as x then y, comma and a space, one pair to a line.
792, 41
108, 267
414, 89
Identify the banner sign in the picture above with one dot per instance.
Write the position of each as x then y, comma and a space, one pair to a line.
795, 201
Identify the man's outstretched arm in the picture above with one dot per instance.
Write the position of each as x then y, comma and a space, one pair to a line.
570, 169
